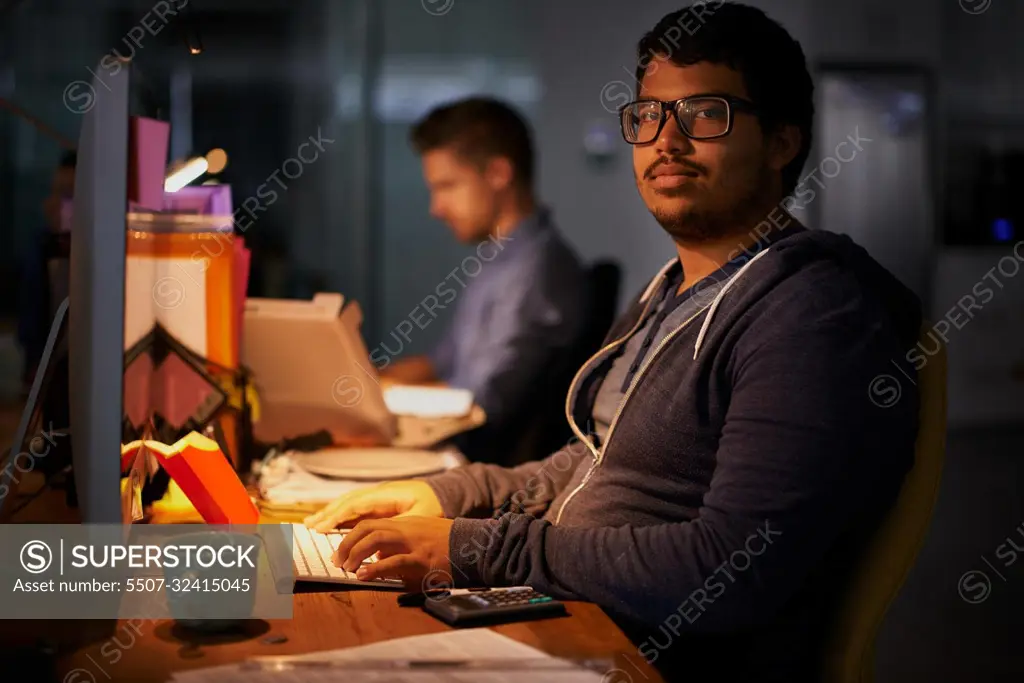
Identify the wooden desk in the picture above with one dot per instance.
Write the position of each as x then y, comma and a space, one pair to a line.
324, 621
143, 652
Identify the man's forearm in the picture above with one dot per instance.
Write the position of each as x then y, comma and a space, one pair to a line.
479, 490
413, 370
729, 576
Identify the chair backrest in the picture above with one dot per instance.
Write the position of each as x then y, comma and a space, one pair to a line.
604, 279
892, 551
546, 429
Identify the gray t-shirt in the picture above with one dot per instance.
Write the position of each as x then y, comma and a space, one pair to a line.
670, 313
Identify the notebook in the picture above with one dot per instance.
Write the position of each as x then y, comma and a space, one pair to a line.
184, 283
204, 474
429, 402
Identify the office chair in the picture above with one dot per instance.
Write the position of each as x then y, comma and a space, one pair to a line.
543, 429
604, 279
892, 551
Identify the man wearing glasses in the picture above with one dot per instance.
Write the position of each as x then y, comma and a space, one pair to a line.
737, 459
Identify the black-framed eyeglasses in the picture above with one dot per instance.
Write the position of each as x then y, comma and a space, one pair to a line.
700, 117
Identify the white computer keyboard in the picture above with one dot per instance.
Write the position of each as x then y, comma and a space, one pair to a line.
311, 557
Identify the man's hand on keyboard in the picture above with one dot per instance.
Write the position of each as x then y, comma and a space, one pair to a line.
390, 499
409, 548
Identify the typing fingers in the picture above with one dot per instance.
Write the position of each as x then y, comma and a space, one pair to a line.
351, 511
347, 512
326, 512
405, 567
351, 538
351, 553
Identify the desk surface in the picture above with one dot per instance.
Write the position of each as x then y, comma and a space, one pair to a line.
322, 620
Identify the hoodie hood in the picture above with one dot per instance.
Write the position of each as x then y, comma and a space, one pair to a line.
779, 256
793, 248
901, 304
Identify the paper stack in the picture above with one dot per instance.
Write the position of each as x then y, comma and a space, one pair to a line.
285, 483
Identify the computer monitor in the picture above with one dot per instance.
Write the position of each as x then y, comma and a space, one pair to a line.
96, 293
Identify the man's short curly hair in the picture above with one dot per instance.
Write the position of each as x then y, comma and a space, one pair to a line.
743, 38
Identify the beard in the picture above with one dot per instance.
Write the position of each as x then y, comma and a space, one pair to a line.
704, 220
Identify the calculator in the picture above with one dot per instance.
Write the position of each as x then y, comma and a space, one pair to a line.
474, 606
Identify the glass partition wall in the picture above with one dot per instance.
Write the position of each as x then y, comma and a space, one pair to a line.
311, 99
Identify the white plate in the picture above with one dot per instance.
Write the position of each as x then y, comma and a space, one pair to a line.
374, 463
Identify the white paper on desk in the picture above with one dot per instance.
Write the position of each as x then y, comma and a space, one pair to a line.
342, 675
465, 644
461, 645
428, 401
285, 483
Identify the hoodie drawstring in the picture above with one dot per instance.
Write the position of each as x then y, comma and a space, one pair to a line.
718, 298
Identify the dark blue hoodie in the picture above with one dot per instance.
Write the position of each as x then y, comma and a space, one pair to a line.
751, 455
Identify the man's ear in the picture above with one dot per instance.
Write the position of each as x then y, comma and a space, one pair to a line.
783, 146
499, 173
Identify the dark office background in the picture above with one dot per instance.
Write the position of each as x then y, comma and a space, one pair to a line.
934, 84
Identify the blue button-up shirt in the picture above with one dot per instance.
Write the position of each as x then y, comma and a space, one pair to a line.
524, 303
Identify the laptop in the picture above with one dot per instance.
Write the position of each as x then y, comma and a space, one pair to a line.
313, 372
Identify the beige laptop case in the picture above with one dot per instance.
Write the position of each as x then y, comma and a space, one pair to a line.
310, 374
313, 372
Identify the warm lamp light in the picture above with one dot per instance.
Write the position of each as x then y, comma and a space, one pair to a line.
216, 160
186, 174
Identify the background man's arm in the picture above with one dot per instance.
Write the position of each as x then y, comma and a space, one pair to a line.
480, 490
536, 319
412, 370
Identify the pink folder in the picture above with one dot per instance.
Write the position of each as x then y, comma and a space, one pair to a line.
147, 162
